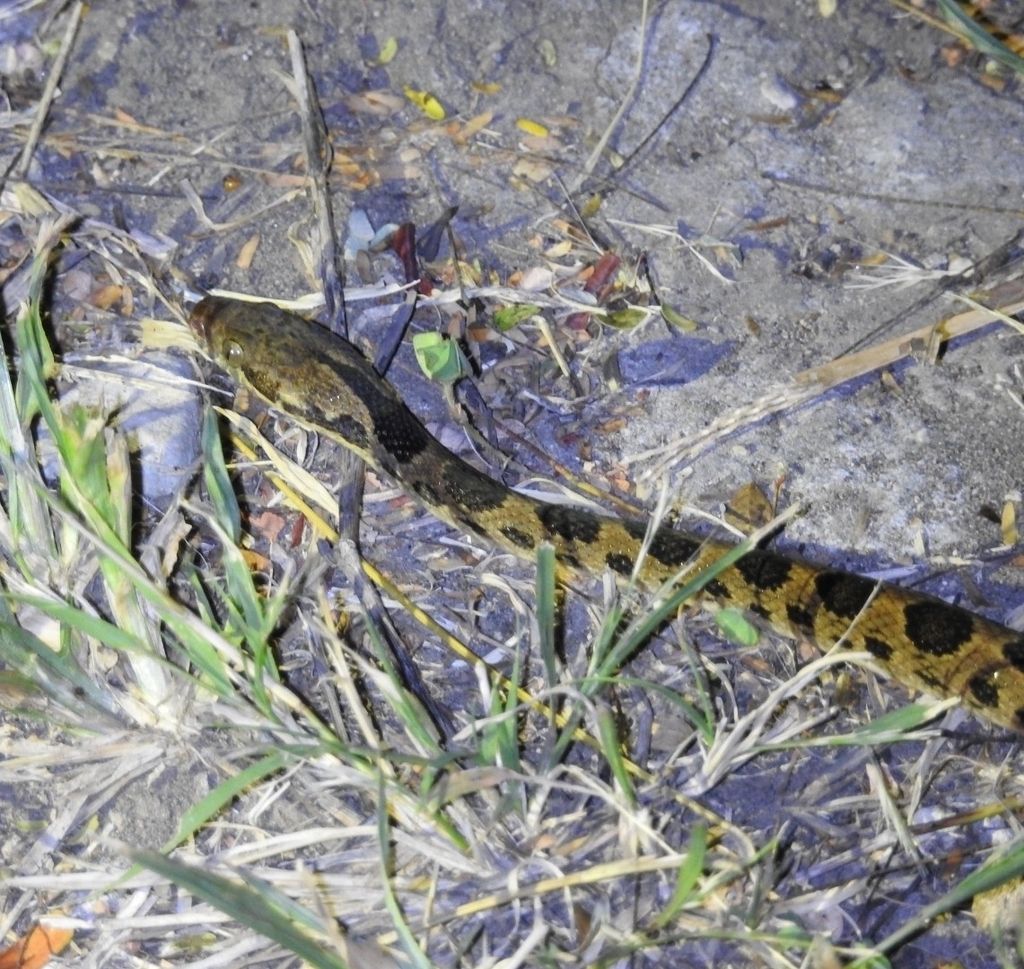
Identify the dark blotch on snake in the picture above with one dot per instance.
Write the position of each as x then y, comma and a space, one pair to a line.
717, 590
671, 548
878, 648
982, 687
1013, 653
569, 524
937, 628
617, 562
763, 570
800, 618
517, 537
842, 593
472, 491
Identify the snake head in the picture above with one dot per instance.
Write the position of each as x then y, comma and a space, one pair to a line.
203, 315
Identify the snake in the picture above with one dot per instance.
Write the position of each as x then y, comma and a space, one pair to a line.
323, 382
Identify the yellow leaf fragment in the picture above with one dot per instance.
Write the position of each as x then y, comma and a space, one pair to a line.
388, 51
559, 249
1008, 524
532, 127
426, 102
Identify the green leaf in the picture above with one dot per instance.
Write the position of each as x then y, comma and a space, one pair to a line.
417, 957
736, 627
218, 483
625, 319
440, 358
511, 316
546, 608
611, 746
222, 795
676, 319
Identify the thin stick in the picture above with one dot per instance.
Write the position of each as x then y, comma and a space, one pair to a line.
595, 155
49, 91
350, 499
318, 163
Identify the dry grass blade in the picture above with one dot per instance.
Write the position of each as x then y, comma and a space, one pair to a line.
816, 381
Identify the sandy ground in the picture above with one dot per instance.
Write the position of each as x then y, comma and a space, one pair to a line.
806, 147
805, 151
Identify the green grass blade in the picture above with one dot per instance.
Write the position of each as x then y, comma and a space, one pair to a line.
978, 37
58, 675
611, 747
546, 611
647, 625
687, 875
412, 948
221, 796
245, 904
1002, 870
217, 480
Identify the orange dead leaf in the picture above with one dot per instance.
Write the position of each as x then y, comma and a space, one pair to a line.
256, 563
476, 124
611, 426
36, 948
532, 127
619, 480
106, 296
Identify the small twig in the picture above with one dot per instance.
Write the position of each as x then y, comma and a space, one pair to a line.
21, 169
676, 105
193, 199
999, 314
319, 154
595, 155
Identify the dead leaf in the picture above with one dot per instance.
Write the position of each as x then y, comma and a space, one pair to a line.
36, 948
748, 508
1008, 524
247, 252
106, 296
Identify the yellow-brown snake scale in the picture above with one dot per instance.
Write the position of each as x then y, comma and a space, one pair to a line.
324, 383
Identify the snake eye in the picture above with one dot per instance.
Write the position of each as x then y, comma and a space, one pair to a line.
234, 354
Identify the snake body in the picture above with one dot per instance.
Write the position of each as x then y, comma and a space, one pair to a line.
325, 383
